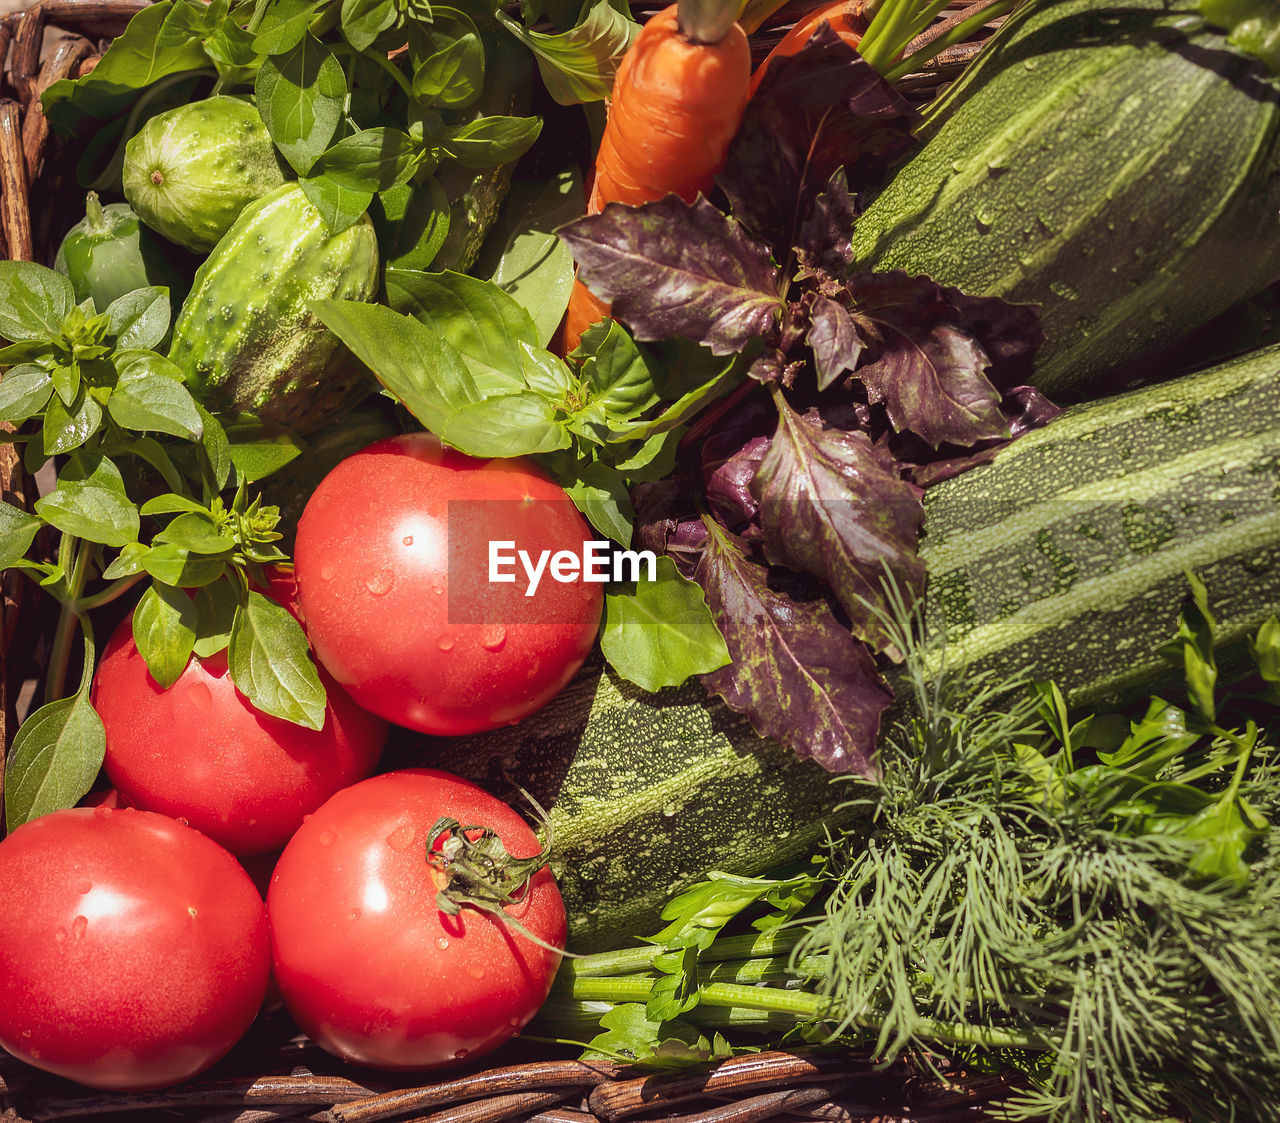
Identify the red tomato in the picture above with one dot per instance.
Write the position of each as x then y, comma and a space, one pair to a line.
200, 752
393, 581
367, 964
134, 951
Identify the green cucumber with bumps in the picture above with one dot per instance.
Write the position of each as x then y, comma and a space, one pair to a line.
246, 338
1066, 556
1116, 162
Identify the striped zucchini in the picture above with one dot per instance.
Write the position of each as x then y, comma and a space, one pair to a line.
1066, 555
1114, 162
646, 792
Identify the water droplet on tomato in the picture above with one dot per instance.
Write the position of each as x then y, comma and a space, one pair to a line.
437, 589
460, 1055
401, 838
514, 1023
102, 812
407, 540
354, 914
445, 642
192, 911
492, 637
78, 925
328, 838
60, 934
83, 886
201, 697
185, 822
328, 572
442, 942
476, 972
380, 583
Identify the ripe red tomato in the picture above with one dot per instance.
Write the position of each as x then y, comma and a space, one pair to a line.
392, 556
200, 752
368, 965
134, 951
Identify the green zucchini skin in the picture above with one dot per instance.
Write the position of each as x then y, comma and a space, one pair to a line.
646, 793
1065, 557
246, 338
1110, 160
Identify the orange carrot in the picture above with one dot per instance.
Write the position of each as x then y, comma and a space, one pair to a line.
847, 18
677, 102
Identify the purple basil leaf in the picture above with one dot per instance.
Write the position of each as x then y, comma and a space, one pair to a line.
769, 366
925, 365
833, 337
797, 673
1010, 333
834, 505
727, 481
667, 521
820, 109
823, 244
671, 268
935, 471
1027, 408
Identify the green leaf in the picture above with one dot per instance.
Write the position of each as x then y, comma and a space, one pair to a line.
66, 380
1192, 649
524, 257
175, 565
1264, 648
257, 449
521, 424
18, 529
164, 631
340, 207
284, 25
364, 20
216, 605
67, 429
601, 494
151, 396
1252, 25
127, 562
139, 319
448, 59
196, 531
300, 97
411, 360
684, 408
658, 633
56, 754
270, 665
24, 392
579, 65
488, 142
412, 221
217, 449
479, 320
619, 376
369, 161
89, 501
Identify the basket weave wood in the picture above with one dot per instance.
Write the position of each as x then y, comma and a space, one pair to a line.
275, 1074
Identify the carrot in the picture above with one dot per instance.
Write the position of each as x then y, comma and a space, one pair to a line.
677, 102
847, 18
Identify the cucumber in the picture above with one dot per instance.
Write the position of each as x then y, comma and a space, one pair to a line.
246, 338
191, 170
645, 793
1115, 162
1066, 555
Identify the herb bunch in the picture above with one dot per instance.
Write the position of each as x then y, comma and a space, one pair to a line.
1093, 899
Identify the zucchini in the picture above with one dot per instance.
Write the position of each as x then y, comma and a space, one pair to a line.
645, 793
246, 338
1066, 555
1115, 162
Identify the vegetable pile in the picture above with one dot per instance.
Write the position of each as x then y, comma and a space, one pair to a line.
539, 471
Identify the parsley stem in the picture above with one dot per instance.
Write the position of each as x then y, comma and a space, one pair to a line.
628, 961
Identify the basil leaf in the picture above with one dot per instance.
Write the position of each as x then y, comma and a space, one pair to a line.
369, 161
164, 631
300, 97
364, 20
150, 395
508, 425
412, 221
18, 529
600, 493
24, 392
478, 320
196, 531
177, 566
139, 319
488, 142
172, 505
270, 665
525, 258
89, 501
67, 429
284, 25
579, 65
55, 758
217, 449
339, 206
411, 360
216, 605
681, 410
448, 59
618, 375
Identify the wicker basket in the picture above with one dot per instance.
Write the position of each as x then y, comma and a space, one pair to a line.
275, 1073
